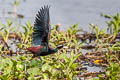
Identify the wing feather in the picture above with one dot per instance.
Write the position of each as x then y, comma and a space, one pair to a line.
41, 28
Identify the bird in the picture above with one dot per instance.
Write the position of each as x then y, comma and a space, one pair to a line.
41, 34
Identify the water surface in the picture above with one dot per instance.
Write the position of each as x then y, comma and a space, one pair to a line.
65, 12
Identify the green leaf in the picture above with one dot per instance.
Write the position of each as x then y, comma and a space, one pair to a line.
19, 45
33, 71
2, 28
6, 31
16, 2
34, 63
31, 77
70, 64
71, 55
74, 32
74, 26
20, 67
46, 67
45, 75
108, 73
12, 29
9, 23
74, 66
55, 72
52, 44
63, 56
25, 29
28, 25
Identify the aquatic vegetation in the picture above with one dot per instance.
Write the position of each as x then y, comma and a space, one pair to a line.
21, 66
113, 23
67, 63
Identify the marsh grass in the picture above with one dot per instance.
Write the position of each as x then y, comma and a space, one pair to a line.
66, 64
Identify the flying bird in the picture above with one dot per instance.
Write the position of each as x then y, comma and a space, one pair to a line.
41, 34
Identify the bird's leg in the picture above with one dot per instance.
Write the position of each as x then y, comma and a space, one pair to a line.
25, 67
40, 60
25, 63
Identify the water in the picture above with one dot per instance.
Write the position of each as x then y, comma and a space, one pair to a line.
65, 12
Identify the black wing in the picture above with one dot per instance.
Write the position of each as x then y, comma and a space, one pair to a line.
41, 28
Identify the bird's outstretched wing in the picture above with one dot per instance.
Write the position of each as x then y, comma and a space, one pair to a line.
41, 28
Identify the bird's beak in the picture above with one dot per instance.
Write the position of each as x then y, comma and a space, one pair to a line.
60, 46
